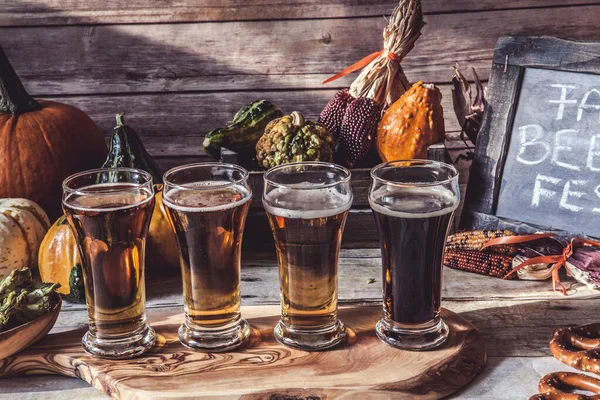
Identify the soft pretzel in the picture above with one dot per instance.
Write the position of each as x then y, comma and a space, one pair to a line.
558, 385
578, 347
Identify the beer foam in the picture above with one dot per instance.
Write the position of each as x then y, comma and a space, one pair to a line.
91, 198
306, 203
199, 196
421, 202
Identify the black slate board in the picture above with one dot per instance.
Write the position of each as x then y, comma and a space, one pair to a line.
537, 159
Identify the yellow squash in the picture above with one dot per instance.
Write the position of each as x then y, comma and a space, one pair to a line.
59, 261
411, 124
161, 247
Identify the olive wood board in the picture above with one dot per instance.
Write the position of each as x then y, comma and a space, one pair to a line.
362, 367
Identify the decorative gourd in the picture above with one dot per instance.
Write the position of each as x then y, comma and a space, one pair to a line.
23, 224
127, 150
292, 138
243, 132
411, 124
42, 142
59, 261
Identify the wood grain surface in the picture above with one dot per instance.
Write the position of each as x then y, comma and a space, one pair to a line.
362, 367
247, 55
515, 318
181, 68
194, 114
155, 60
55, 12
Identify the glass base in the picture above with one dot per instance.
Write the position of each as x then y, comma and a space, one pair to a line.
214, 339
310, 339
119, 348
412, 337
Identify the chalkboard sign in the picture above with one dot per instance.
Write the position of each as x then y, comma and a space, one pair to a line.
537, 159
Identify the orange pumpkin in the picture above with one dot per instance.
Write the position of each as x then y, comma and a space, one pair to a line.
411, 124
41, 143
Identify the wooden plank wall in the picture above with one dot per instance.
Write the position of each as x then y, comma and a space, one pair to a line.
179, 68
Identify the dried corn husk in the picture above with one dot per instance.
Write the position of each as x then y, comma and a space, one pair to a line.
383, 80
584, 266
581, 276
537, 248
535, 272
468, 106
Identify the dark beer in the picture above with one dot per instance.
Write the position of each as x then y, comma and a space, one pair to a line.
209, 225
413, 203
110, 222
308, 243
413, 229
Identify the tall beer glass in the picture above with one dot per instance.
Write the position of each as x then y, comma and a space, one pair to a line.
413, 203
207, 205
109, 212
307, 205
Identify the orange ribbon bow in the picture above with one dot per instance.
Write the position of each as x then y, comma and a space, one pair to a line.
558, 260
363, 63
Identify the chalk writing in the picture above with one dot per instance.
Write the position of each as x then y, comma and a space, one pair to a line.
551, 176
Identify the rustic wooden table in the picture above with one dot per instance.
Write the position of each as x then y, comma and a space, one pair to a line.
517, 319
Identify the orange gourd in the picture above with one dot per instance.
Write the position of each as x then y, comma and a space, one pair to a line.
411, 124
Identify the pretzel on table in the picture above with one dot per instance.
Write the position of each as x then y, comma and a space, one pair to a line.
559, 386
578, 347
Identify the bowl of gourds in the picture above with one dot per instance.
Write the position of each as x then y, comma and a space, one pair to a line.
28, 311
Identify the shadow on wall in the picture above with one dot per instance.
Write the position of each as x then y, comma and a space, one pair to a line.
186, 78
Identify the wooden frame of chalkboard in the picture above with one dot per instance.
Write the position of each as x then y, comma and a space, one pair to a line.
512, 56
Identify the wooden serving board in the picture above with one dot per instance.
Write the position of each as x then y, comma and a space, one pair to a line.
363, 367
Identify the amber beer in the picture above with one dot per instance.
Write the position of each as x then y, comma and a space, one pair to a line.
413, 203
110, 222
207, 205
307, 205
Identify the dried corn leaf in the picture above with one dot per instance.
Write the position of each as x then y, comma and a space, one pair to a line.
383, 80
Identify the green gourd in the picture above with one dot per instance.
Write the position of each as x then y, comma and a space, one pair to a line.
243, 132
127, 150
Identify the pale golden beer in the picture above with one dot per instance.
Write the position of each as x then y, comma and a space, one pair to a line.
207, 205
110, 222
307, 205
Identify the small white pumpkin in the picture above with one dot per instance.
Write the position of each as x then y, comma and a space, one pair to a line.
23, 225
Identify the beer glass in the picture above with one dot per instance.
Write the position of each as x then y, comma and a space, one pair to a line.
307, 205
413, 203
207, 205
109, 212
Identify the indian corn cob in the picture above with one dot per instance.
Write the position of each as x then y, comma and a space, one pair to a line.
474, 240
359, 127
333, 113
497, 265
